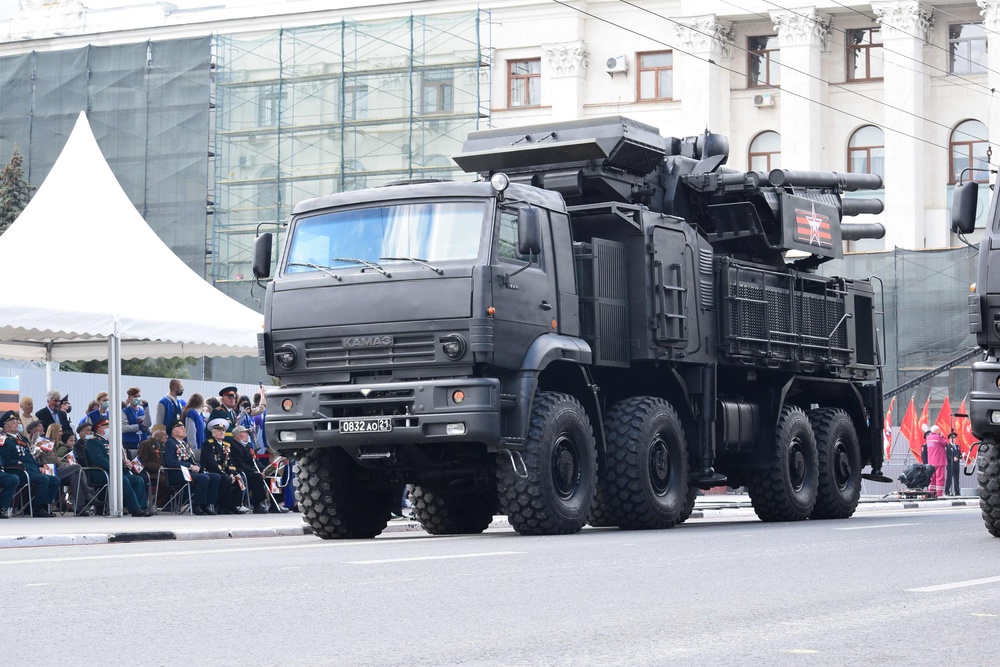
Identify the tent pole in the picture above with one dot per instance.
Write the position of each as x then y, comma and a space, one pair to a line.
115, 422
48, 367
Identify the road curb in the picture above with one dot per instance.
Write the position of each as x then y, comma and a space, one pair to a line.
742, 508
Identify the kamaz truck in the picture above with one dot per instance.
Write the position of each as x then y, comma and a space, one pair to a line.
984, 322
607, 321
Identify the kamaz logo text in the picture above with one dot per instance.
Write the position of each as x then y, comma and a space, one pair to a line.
368, 341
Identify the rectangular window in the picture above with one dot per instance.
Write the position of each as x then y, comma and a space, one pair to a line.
437, 92
356, 102
864, 54
656, 75
764, 65
524, 83
268, 106
966, 48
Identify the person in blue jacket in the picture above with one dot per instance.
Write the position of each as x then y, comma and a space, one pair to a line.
136, 421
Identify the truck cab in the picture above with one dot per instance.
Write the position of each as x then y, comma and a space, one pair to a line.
383, 319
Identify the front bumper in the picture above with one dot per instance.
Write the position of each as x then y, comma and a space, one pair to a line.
420, 413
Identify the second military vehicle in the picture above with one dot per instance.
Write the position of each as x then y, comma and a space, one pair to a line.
984, 322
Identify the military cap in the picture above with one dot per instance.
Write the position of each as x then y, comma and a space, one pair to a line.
218, 423
7, 416
225, 391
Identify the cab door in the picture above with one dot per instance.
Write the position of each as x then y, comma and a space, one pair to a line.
524, 294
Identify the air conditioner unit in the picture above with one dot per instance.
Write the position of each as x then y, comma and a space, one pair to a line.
616, 64
763, 100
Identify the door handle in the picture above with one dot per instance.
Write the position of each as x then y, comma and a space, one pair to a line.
545, 305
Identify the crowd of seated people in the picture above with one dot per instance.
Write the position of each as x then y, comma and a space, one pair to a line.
209, 456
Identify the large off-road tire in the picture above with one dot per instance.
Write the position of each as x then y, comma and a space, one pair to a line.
839, 456
988, 463
561, 461
647, 472
786, 489
600, 513
453, 514
340, 499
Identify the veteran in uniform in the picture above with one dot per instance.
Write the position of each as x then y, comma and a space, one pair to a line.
215, 457
18, 460
242, 455
134, 487
204, 485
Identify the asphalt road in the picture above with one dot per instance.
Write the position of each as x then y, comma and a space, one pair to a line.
919, 587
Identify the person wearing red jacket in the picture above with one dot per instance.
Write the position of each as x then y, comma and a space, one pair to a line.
936, 456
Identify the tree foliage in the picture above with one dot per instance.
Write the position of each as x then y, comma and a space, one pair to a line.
14, 190
157, 368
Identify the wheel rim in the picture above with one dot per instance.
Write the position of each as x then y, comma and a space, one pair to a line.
659, 466
841, 465
565, 467
796, 464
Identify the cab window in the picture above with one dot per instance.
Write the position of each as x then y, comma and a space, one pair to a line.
507, 239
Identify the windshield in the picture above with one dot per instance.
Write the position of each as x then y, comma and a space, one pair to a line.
429, 231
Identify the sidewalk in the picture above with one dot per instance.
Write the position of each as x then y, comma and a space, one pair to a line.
68, 530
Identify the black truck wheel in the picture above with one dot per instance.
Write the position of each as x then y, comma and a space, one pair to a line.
988, 463
561, 461
839, 488
600, 513
786, 489
453, 514
340, 499
647, 471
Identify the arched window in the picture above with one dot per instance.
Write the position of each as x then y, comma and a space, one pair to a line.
967, 149
765, 152
866, 151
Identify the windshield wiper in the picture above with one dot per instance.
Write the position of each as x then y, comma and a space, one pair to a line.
370, 265
324, 269
416, 260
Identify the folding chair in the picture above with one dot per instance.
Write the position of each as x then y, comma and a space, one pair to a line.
176, 499
96, 477
276, 480
20, 506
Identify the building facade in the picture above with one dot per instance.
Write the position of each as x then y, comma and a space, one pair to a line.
307, 98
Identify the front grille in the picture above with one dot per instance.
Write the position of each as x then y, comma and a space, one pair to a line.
406, 350
353, 396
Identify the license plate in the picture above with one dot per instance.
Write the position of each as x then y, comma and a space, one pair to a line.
379, 425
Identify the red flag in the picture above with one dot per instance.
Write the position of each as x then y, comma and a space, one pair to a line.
964, 430
924, 426
887, 430
911, 430
944, 418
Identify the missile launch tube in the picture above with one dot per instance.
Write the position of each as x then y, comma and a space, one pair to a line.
861, 206
855, 231
824, 179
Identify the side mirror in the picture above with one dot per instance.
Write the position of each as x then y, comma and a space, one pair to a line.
529, 231
262, 255
964, 202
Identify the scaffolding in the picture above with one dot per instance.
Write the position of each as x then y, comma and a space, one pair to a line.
306, 112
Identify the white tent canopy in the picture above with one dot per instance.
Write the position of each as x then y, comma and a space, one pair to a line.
91, 280
73, 255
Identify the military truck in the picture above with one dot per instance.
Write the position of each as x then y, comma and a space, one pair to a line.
604, 323
984, 322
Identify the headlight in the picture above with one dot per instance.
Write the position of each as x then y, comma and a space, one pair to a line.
453, 346
500, 182
286, 356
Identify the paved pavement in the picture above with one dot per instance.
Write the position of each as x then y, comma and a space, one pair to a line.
68, 529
